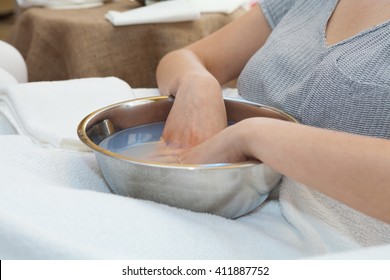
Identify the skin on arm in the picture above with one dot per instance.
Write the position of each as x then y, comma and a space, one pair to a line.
347, 167
194, 75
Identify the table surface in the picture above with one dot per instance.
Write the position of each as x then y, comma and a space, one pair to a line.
68, 44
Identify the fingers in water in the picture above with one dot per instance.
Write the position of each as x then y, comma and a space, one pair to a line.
164, 153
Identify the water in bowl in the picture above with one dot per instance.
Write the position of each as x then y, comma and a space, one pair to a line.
136, 142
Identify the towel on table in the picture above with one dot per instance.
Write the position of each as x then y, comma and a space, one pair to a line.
61, 4
49, 112
217, 6
166, 11
214, 6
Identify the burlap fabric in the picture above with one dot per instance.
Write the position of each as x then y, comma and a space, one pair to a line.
66, 44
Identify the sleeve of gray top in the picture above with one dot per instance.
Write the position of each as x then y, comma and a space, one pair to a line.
274, 10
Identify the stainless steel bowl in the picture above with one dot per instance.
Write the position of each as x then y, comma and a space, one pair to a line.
228, 190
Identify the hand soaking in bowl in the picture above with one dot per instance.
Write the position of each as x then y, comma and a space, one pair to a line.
229, 189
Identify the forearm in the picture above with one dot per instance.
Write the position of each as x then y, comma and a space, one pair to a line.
181, 68
341, 165
198, 111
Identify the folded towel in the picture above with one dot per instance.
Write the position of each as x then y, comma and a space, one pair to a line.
166, 11
217, 6
61, 4
49, 112
214, 6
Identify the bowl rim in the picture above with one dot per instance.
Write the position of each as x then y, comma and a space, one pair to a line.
82, 134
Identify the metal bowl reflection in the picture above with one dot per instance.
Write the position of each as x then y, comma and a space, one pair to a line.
228, 190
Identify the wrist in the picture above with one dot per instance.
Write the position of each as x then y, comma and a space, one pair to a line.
199, 82
252, 133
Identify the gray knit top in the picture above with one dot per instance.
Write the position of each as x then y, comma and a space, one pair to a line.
343, 87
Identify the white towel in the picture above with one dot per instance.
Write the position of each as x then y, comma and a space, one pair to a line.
54, 204
61, 4
49, 112
173, 11
26, 164
166, 11
218, 6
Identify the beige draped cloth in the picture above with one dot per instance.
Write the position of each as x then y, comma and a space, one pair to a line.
67, 44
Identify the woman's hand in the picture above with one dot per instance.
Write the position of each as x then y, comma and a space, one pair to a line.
225, 147
161, 153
